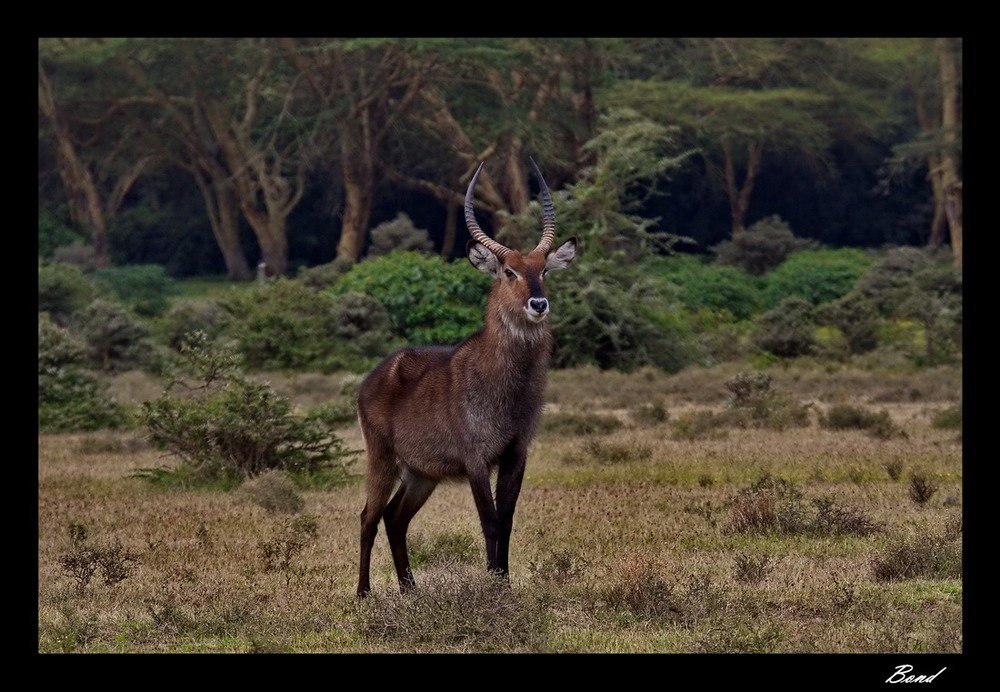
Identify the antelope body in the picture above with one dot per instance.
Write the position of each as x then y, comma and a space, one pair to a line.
450, 412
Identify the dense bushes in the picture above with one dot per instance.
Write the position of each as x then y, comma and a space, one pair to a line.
62, 290
71, 398
116, 340
817, 276
787, 330
611, 317
429, 301
761, 247
665, 312
145, 288
704, 286
398, 234
284, 325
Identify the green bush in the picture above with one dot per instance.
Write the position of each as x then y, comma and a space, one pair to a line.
761, 247
398, 235
935, 301
186, 316
116, 339
63, 290
611, 316
889, 281
323, 276
145, 288
856, 318
703, 286
816, 276
219, 423
428, 300
285, 325
787, 330
70, 397
848, 417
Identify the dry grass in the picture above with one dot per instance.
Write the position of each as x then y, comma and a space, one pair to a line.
627, 549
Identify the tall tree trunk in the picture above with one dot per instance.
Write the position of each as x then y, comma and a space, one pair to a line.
81, 192
271, 231
951, 125
450, 230
739, 195
358, 196
930, 123
222, 209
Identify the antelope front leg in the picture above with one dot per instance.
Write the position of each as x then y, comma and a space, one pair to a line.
488, 518
509, 480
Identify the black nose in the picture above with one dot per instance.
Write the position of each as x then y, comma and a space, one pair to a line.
539, 305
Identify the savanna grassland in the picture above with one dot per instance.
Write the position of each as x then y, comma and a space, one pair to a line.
658, 514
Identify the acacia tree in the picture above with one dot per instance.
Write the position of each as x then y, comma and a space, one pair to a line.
501, 100
950, 56
740, 99
365, 88
931, 70
244, 133
96, 173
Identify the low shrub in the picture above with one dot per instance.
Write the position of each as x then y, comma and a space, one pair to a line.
145, 288
775, 505
850, 417
787, 330
763, 246
63, 290
454, 610
924, 555
755, 404
218, 423
71, 398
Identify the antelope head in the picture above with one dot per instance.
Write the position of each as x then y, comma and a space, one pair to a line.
520, 279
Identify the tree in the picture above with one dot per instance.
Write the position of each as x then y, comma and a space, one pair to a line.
96, 173
365, 88
931, 70
745, 101
243, 129
950, 56
501, 100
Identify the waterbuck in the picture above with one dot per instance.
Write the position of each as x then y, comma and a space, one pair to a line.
451, 412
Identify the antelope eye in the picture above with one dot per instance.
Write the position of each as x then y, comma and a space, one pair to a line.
509, 273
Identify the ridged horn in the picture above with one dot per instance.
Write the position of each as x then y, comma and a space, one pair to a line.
549, 214
498, 249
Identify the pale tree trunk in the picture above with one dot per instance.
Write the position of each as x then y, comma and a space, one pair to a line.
265, 196
204, 165
272, 236
358, 196
951, 125
739, 195
81, 191
929, 123
223, 215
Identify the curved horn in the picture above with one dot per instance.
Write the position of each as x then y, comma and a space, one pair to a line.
549, 214
493, 246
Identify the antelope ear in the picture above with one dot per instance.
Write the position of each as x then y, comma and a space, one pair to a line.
482, 259
562, 255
